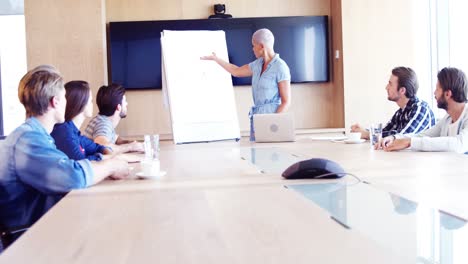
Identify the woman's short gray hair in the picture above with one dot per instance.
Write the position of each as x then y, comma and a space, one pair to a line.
265, 37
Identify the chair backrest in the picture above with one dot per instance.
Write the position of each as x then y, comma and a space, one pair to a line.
8, 236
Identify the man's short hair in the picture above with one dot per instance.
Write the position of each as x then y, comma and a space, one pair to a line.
454, 80
77, 98
108, 97
265, 37
407, 78
38, 87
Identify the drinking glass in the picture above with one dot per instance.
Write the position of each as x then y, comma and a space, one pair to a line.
375, 133
151, 147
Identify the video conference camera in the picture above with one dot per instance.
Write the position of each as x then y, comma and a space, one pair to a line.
219, 11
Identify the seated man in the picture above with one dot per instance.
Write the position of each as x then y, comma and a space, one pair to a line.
34, 174
112, 105
413, 116
451, 132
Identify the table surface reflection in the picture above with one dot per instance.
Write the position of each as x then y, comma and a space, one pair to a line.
402, 226
226, 202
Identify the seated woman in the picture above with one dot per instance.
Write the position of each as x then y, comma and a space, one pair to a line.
67, 135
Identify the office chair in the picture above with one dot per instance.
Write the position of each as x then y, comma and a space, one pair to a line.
9, 235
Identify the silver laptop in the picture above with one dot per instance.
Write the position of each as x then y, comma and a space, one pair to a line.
274, 127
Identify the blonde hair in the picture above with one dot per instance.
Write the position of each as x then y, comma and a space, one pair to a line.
37, 87
265, 37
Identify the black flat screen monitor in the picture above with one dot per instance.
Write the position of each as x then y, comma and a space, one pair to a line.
302, 42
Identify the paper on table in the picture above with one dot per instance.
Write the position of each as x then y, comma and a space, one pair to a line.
327, 138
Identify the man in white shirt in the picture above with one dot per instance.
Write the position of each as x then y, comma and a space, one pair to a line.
451, 132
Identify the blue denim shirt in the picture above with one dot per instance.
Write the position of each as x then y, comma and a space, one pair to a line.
69, 140
265, 90
34, 174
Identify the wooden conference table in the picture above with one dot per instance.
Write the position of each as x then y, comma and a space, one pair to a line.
215, 206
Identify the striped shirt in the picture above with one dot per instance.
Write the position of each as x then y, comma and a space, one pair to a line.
416, 117
100, 125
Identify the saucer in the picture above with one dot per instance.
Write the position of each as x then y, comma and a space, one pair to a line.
142, 176
354, 141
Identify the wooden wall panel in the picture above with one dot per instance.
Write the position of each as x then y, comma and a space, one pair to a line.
127, 10
69, 35
338, 114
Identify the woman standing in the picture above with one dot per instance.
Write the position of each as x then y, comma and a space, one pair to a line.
271, 88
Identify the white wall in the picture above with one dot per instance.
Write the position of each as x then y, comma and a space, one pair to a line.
13, 61
378, 36
458, 20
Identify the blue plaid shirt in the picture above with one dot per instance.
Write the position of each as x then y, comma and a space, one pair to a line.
416, 117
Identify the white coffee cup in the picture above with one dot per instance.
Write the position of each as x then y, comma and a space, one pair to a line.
354, 136
150, 167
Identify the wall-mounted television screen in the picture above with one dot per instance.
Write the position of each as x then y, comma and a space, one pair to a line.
302, 42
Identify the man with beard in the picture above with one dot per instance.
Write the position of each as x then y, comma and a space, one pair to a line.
414, 115
112, 105
451, 132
